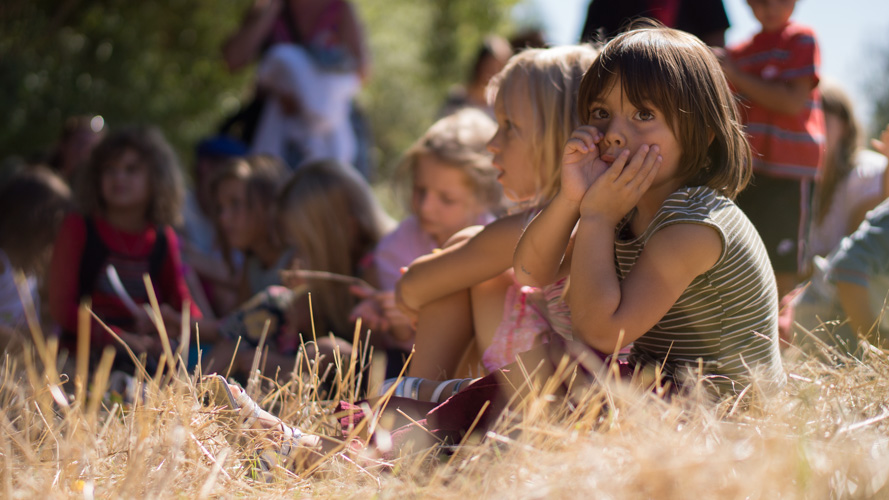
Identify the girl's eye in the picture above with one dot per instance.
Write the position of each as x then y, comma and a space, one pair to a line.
644, 115
598, 114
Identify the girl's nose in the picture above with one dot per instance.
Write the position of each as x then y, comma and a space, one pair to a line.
493, 146
614, 135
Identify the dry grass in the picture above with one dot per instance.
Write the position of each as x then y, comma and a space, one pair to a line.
825, 436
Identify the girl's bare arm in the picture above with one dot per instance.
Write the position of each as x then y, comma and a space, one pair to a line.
461, 265
541, 256
603, 308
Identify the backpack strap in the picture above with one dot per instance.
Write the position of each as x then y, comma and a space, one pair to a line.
158, 254
95, 254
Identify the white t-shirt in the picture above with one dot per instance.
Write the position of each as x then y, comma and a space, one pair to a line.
864, 182
12, 313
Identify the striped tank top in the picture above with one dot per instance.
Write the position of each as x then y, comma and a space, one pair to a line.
726, 321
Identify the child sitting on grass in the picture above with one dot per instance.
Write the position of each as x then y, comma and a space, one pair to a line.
466, 298
657, 253
129, 196
32, 206
327, 213
453, 186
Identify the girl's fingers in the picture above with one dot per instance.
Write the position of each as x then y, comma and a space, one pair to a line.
634, 166
648, 177
617, 167
646, 163
588, 135
576, 144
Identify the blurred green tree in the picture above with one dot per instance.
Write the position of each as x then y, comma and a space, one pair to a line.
159, 62
155, 62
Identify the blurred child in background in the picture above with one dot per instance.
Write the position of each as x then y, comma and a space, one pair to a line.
129, 196
776, 74
201, 249
454, 186
32, 206
245, 191
492, 56
853, 179
328, 215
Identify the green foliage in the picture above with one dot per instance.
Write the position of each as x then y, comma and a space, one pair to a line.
155, 62
160, 62
419, 49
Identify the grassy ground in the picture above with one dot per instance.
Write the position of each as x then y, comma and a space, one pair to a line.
825, 436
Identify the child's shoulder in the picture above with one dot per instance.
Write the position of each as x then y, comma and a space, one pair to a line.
699, 200
408, 237
792, 34
796, 30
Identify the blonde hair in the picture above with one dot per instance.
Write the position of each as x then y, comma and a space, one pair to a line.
330, 216
551, 79
167, 189
263, 175
460, 140
841, 162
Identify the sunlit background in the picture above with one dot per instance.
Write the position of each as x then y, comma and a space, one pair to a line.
849, 32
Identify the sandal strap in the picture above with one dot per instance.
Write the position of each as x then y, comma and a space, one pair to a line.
408, 387
290, 440
249, 409
436, 394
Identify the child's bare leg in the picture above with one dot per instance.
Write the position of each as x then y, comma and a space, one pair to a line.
444, 329
487, 299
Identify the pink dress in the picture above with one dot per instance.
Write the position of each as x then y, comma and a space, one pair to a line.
530, 316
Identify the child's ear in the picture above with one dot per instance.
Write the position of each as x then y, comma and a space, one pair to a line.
712, 135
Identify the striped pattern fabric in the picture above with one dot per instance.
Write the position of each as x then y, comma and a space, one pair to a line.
726, 321
788, 146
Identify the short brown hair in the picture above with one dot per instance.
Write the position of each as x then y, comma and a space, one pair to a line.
676, 73
165, 175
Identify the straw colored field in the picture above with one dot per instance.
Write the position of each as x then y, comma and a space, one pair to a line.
825, 436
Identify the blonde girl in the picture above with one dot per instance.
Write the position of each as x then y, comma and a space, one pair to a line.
452, 186
463, 293
330, 217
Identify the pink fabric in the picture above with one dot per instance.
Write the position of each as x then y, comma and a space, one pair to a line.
400, 247
523, 326
530, 316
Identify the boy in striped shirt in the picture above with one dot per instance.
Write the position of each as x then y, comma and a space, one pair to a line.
776, 75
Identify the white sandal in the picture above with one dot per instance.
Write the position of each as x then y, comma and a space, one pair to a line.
249, 412
409, 387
